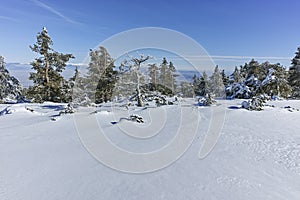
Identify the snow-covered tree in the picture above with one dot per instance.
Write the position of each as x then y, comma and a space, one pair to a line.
77, 85
255, 103
163, 72
154, 76
204, 85
225, 78
235, 77
201, 85
10, 87
258, 79
171, 77
238, 90
131, 76
196, 83
47, 78
275, 83
187, 89
101, 76
294, 75
216, 85
167, 78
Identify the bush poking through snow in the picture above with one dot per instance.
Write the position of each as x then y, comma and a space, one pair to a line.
68, 110
256, 103
5, 111
136, 118
206, 101
132, 118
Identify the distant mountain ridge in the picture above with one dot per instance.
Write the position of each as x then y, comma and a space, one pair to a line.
21, 72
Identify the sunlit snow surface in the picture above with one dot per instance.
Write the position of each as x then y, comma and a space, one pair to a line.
256, 157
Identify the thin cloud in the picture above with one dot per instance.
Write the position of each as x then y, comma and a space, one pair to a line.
252, 57
7, 18
218, 57
51, 9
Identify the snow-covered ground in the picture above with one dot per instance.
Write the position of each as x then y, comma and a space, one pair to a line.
256, 157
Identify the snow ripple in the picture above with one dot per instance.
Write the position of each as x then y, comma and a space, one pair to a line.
284, 153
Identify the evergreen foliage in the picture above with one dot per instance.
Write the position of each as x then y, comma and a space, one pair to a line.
101, 76
216, 86
255, 79
294, 75
49, 84
10, 87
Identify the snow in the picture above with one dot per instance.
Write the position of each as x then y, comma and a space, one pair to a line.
256, 157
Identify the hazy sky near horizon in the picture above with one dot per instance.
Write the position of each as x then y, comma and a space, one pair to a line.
231, 31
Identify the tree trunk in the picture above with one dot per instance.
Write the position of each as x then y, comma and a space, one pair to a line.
47, 71
138, 91
47, 79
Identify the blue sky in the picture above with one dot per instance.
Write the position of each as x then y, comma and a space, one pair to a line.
232, 31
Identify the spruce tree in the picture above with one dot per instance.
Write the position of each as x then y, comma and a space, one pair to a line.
235, 77
225, 78
163, 72
186, 89
275, 82
216, 85
203, 85
196, 85
10, 87
101, 76
154, 76
294, 75
171, 77
47, 79
77, 85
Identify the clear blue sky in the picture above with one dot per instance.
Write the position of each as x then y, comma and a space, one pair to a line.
233, 31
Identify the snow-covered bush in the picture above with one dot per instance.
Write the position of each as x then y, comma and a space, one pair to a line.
255, 103
69, 109
136, 118
206, 101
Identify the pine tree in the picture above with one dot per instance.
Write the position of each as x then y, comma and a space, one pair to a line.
187, 89
101, 76
225, 78
78, 93
163, 72
167, 78
203, 85
216, 85
47, 78
253, 68
294, 75
275, 82
196, 85
235, 77
10, 87
154, 75
171, 77
72, 83
256, 79
131, 81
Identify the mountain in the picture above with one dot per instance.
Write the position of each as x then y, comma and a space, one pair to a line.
21, 72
